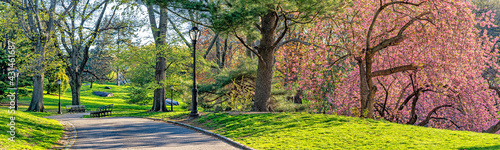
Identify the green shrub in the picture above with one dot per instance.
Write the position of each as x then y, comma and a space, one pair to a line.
24, 92
50, 82
139, 95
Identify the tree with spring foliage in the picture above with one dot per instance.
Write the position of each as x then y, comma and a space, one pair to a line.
265, 20
413, 62
78, 31
38, 19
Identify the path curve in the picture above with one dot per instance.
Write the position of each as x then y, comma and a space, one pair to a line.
137, 133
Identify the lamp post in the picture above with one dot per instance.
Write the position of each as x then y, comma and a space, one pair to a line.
59, 83
16, 72
171, 98
194, 33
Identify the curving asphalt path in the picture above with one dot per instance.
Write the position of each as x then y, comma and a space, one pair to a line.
137, 133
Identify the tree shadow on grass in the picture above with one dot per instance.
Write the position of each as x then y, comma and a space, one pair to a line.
245, 125
480, 147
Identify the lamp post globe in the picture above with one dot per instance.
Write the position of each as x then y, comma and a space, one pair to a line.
194, 34
59, 83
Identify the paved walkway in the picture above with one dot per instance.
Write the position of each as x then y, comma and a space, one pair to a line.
137, 133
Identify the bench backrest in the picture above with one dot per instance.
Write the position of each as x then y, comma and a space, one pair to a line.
75, 106
105, 108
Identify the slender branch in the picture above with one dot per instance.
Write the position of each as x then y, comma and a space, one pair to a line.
93, 74
194, 21
398, 38
212, 43
248, 47
179, 32
429, 115
408, 98
368, 36
393, 70
282, 34
296, 40
92, 37
258, 27
341, 58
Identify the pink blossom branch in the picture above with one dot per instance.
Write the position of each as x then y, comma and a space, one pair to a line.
393, 70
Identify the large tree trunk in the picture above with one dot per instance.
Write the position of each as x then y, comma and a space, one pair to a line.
159, 34
159, 93
265, 67
37, 98
36, 103
76, 85
367, 89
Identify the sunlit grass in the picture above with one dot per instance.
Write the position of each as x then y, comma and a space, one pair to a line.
274, 130
32, 131
318, 131
91, 102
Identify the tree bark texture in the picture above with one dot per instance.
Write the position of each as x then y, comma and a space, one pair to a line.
36, 103
265, 66
76, 85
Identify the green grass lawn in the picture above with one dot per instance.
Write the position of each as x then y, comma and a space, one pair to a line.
262, 131
35, 132
32, 131
91, 102
318, 131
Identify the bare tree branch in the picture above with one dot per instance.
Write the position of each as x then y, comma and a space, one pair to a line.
368, 36
396, 39
248, 47
179, 32
211, 45
429, 115
92, 37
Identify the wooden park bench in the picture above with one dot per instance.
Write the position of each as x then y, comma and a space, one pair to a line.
75, 108
102, 111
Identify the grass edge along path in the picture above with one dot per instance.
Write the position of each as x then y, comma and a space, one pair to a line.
318, 131
32, 131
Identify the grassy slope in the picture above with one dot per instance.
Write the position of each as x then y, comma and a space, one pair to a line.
31, 128
293, 130
317, 131
91, 102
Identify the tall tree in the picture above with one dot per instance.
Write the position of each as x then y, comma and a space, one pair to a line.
38, 22
77, 37
159, 31
422, 65
267, 20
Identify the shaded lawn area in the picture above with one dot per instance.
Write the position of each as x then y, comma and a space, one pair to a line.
32, 131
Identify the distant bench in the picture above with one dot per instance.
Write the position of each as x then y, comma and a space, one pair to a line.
102, 111
75, 108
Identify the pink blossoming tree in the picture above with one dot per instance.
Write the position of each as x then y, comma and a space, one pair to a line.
416, 62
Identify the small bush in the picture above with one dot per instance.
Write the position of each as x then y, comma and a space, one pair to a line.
139, 95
